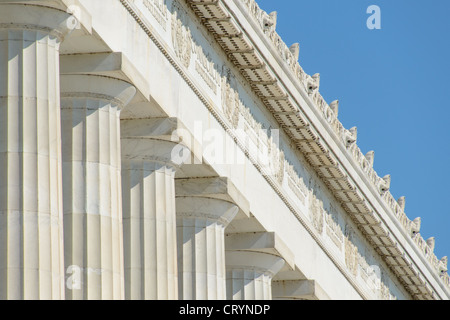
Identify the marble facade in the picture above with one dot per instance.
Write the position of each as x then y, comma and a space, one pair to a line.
174, 149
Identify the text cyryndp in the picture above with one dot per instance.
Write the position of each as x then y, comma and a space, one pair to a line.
229, 309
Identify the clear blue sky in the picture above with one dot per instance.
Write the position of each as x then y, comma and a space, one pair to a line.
393, 84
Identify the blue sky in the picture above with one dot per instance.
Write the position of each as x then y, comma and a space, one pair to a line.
392, 84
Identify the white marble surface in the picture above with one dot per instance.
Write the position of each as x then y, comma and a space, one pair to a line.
31, 235
201, 225
182, 75
90, 112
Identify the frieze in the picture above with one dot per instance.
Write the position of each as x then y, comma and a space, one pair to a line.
157, 8
334, 230
316, 209
367, 272
201, 71
277, 161
264, 145
230, 101
371, 275
181, 35
206, 67
186, 48
351, 256
385, 293
296, 183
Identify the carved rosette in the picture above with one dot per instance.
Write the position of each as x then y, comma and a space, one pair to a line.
181, 35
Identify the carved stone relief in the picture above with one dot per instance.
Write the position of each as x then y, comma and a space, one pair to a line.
351, 253
296, 184
181, 35
316, 208
230, 103
157, 8
334, 230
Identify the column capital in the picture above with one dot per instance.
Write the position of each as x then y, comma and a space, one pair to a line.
157, 140
108, 64
265, 263
206, 208
113, 90
220, 188
25, 15
155, 153
264, 242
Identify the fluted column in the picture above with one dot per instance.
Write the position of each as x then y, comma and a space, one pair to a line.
148, 179
249, 274
93, 236
300, 289
201, 250
31, 235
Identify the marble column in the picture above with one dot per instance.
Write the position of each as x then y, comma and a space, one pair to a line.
201, 224
149, 216
31, 235
249, 274
93, 236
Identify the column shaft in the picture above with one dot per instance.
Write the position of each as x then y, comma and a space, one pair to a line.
148, 178
248, 284
31, 235
149, 230
93, 237
201, 226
